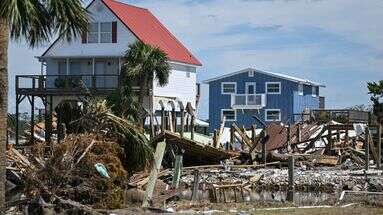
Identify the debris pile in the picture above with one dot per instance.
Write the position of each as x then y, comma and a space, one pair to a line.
84, 168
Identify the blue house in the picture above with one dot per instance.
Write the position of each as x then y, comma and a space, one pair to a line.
272, 97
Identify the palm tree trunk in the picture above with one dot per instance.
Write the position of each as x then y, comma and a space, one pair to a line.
4, 33
143, 92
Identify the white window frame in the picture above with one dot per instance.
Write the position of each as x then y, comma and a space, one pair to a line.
300, 89
251, 73
272, 120
314, 91
247, 89
274, 82
98, 33
235, 88
229, 120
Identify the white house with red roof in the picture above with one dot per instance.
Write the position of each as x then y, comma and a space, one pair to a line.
96, 58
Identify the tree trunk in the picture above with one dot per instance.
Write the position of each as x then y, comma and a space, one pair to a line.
4, 33
143, 92
151, 100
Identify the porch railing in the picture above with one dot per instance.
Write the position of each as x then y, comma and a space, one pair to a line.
248, 101
66, 83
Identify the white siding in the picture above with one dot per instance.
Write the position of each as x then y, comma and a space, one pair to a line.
99, 13
179, 86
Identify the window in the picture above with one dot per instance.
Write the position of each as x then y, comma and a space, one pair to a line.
273, 87
62, 68
230, 114
272, 115
187, 74
93, 33
229, 88
251, 73
314, 91
300, 89
250, 88
105, 32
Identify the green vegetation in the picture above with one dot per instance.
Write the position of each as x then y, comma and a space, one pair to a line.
376, 90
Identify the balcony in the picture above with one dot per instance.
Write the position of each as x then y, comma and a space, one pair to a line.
66, 84
248, 101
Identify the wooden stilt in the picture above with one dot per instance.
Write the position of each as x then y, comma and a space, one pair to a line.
17, 119
177, 171
158, 156
379, 163
162, 119
290, 193
367, 148
182, 122
174, 120
195, 186
192, 127
33, 115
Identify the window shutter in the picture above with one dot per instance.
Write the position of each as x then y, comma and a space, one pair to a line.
114, 32
84, 37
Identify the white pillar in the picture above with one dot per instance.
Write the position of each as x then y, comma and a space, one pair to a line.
119, 65
67, 66
93, 66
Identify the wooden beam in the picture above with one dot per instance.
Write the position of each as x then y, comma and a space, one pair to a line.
221, 128
158, 156
195, 186
177, 171
366, 148
182, 122
192, 127
372, 147
379, 163
243, 135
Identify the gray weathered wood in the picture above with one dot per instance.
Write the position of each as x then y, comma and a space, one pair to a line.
158, 156
290, 193
177, 171
182, 123
366, 147
379, 163
195, 186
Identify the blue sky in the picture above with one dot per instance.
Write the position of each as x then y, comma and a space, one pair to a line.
336, 42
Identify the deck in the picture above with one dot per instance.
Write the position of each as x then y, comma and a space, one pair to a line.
65, 85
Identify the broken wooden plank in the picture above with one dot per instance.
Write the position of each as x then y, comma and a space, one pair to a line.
158, 156
219, 135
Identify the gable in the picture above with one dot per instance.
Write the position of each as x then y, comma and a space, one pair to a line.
136, 24
99, 12
245, 72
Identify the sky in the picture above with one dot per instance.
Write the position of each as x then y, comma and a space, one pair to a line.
338, 43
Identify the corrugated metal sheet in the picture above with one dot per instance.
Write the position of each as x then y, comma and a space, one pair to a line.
150, 30
277, 135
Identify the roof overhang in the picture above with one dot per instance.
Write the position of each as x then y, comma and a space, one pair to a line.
282, 76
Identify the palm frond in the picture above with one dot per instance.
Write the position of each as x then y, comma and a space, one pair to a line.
98, 117
38, 20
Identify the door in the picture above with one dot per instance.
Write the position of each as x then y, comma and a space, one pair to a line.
99, 68
250, 88
250, 91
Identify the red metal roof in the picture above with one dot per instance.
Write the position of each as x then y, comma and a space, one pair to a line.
149, 29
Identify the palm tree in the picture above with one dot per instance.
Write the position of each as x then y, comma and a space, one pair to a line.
146, 64
36, 21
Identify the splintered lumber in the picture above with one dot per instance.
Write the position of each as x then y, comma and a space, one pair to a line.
86, 151
372, 147
177, 171
158, 155
243, 135
327, 160
195, 153
218, 140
